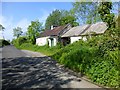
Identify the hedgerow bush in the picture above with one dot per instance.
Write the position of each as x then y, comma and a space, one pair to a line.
4, 42
88, 58
19, 41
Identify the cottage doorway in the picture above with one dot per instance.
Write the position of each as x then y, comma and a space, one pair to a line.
65, 40
51, 42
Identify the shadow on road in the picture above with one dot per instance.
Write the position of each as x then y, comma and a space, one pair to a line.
33, 72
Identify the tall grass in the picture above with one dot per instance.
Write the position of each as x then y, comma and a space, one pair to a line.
44, 49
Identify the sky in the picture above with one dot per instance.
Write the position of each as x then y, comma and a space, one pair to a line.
20, 14
14, 14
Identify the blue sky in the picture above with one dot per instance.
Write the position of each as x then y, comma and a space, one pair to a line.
22, 13
14, 14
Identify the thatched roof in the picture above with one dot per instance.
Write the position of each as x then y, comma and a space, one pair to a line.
97, 28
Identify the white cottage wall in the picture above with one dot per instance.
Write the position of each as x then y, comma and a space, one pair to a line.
74, 39
41, 41
55, 41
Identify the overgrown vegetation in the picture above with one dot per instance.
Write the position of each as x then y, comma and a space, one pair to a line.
24, 43
97, 58
4, 43
100, 63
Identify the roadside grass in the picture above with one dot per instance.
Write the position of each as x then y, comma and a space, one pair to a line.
49, 51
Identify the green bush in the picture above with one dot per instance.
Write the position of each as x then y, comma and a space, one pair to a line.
4, 42
88, 59
22, 40
19, 41
105, 70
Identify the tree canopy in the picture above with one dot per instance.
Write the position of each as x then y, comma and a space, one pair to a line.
53, 19
33, 30
69, 19
17, 32
86, 12
1, 27
60, 17
104, 10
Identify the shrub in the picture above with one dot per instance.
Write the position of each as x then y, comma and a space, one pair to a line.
102, 68
4, 42
19, 41
22, 40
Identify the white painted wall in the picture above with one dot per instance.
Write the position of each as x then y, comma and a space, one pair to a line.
74, 39
84, 38
55, 41
41, 41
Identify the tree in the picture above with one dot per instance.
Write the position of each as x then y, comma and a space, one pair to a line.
105, 13
86, 12
1, 28
60, 17
69, 19
118, 21
17, 32
53, 19
34, 30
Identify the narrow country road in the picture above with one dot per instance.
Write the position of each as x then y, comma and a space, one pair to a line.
27, 69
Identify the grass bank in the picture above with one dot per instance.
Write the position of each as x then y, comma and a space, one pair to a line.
43, 49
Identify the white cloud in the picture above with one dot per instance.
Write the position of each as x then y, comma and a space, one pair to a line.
9, 24
5, 21
23, 24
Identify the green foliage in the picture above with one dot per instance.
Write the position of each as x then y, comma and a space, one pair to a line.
17, 32
60, 17
104, 11
108, 45
86, 12
69, 19
34, 30
19, 41
44, 49
97, 58
53, 19
4, 42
